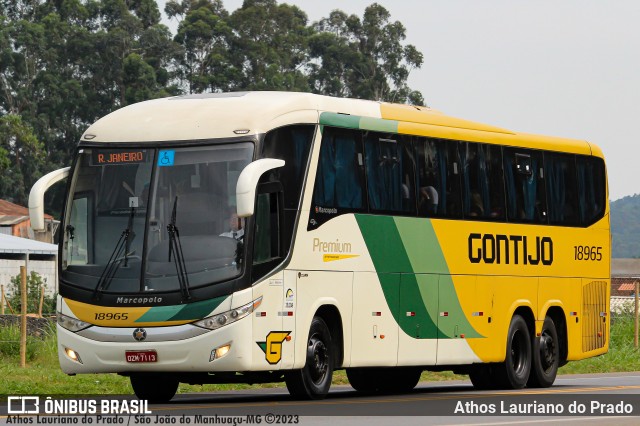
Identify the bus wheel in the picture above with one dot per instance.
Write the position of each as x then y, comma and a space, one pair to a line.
546, 356
483, 376
399, 379
515, 370
154, 387
362, 380
314, 380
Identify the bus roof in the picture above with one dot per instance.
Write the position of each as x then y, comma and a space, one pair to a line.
226, 115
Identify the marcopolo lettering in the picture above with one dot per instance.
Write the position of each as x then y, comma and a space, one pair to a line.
510, 249
125, 300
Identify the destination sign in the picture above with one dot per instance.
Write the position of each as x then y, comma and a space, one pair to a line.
117, 157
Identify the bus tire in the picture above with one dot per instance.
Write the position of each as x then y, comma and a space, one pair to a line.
362, 380
483, 377
154, 387
399, 379
546, 356
514, 372
314, 380
385, 380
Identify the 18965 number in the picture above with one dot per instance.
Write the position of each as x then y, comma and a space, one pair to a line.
593, 253
111, 316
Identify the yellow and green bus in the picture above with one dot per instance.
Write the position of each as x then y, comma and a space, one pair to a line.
264, 236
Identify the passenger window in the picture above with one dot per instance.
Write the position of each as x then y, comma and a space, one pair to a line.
483, 189
591, 189
339, 182
438, 168
562, 188
389, 167
524, 182
291, 144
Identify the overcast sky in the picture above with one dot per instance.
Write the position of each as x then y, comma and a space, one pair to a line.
566, 68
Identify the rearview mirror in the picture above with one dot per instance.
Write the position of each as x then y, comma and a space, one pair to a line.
36, 196
247, 182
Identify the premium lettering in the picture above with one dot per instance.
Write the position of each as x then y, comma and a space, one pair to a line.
510, 249
331, 246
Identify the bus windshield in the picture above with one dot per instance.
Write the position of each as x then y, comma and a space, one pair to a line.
137, 216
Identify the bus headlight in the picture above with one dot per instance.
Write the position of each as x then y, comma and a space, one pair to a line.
71, 324
219, 352
216, 321
73, 355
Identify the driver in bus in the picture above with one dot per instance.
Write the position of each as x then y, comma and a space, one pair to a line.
235, 225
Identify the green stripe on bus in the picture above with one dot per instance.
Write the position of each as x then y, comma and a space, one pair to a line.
198, 310
378, 125
191, 311
423, 250
357, 122
160, 313
403, 250
340, 120
384, 243
401, 291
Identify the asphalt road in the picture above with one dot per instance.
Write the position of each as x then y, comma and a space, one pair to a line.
578, 399
447, 403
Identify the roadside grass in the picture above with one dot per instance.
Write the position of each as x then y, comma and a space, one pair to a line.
623, 356
44, 377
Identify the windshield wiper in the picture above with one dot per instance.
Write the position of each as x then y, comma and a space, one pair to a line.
109, 271
178, 258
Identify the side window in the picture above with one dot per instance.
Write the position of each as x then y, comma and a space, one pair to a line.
266, 246
592, 189
483, 189
291, 144
79, 230
339, 182
524, 182
438, 175
389, 169
562, 188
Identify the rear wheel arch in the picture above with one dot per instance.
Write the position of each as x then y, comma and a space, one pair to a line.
557, 314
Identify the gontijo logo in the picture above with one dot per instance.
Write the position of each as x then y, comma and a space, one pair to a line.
272, 346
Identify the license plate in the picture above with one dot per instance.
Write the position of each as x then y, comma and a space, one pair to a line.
141, 356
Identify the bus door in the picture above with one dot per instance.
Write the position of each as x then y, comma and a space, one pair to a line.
418, 319
454, 328
374, 326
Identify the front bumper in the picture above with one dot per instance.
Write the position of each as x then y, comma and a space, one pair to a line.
186, 355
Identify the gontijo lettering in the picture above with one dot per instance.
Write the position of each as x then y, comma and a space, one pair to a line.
510, 249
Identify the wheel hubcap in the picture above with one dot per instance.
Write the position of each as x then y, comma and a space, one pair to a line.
547, 351
318, 359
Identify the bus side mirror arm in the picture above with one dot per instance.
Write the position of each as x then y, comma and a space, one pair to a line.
36, 196
248, 181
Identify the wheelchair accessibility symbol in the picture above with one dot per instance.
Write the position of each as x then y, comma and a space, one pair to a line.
166, 158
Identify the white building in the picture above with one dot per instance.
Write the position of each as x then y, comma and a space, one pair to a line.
35, 255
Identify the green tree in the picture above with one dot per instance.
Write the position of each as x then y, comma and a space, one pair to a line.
66, 63
363, 58
205, 35
21, 158
35, 286
270, 50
